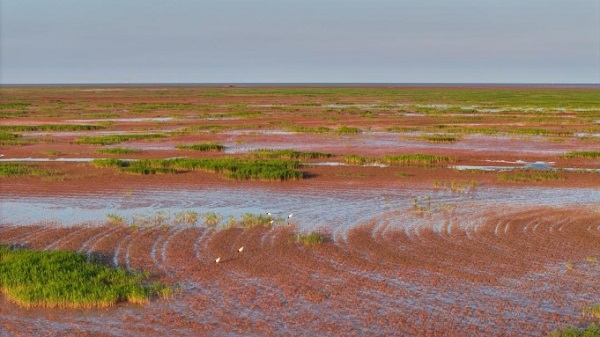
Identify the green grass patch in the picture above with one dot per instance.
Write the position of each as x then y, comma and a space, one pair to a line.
440, 138
348, 130
203, 147
313, 238
582, 154
18, 169
306, 129
523, 176
249, 220
114, 139
594, 310
288, 154
51, 127
229, 167
119, 150
354, 159
63, 279
592, 330
416, 159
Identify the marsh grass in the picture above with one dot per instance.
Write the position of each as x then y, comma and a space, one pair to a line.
63, 279
306, 129
203, 147
18, 169
229, 167
592, 330
348, 130
582, 154
593, 311
114, 139
51, 127
440, 138
522, 176
312, 238
417, 159
119, 150
288, 154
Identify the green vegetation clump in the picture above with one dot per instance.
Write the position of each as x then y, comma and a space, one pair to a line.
440, 138
306, 129
346, 130
18, 169
289, 154
5, 136
119, 150
113, 139
63, 279
592, 330
51, 127
249, 220
355, 159
203, 147
594, 310
229, 167
312, 238
582, 154
416, 159
522, 176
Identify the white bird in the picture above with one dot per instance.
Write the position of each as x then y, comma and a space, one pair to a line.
240, 249
269, 213
271, 222
218, 259
290, 215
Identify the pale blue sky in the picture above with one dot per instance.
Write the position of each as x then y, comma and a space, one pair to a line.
237, 41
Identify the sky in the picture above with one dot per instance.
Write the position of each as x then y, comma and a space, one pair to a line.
299, 41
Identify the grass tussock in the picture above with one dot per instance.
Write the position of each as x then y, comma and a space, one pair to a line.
593, 311
18, 169
63, 279
288, 154
51, 127
312, 238
582, 154
203, 147
441, 138
523, 176
592, 330
119, 150
416, 159
228, 167
114, 139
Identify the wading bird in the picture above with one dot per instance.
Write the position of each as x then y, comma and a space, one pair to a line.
218, 259
289, 217
240, 249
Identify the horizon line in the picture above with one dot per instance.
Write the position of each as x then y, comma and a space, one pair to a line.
74, 84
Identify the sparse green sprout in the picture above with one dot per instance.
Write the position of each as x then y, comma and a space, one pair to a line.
119, 150
249, 220
592, 330
211, 219
115, 220
203, 147
416, 159
113, 139
312, 238
345, 130
582, 154
521, 176
288, 154
440, 138
591, 259
187, 218
593, 311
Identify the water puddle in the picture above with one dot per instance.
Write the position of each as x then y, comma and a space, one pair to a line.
312, 207
522, 165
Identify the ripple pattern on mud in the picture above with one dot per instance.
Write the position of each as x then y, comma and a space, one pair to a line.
497, 271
